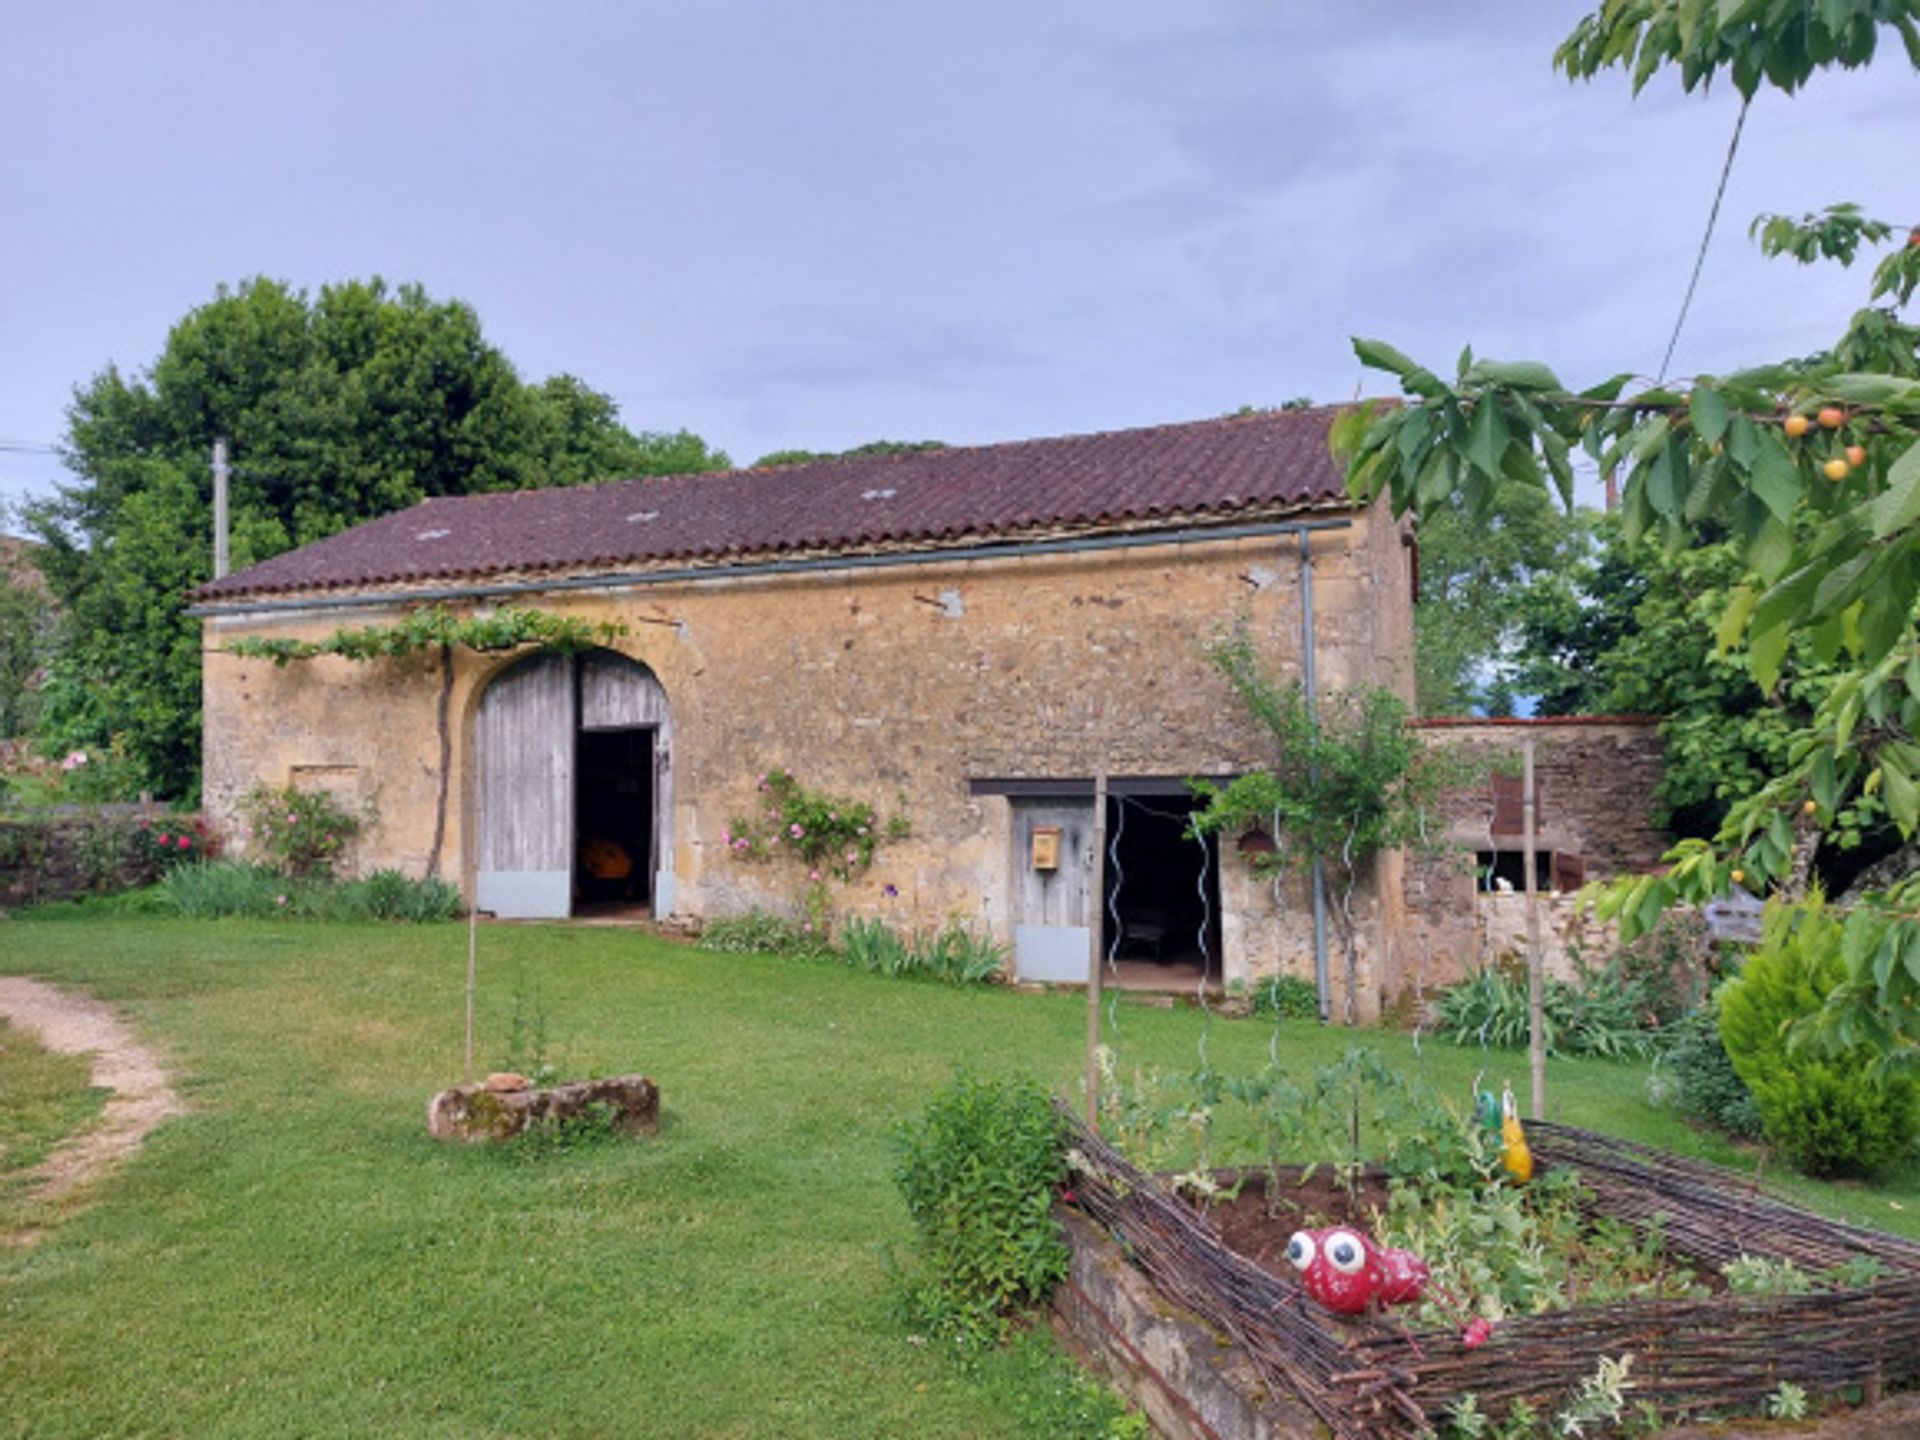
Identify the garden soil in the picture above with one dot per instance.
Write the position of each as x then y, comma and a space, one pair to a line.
141, 1095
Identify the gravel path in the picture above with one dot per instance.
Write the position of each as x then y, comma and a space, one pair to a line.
75, 1025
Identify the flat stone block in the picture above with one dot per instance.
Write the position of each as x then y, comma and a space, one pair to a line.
489, 1111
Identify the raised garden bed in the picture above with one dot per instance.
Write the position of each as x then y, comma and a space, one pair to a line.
1374, 1377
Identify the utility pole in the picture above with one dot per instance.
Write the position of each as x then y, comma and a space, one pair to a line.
220, 558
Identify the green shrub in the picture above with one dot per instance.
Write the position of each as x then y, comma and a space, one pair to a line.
299, 832
1820, 1110
1606, 1014
391, 895
958, 956
1291, 997
875, 947
759, 932
978, 1171
213, 889
1696, 1078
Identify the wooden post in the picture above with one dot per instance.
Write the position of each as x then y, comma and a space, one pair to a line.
473, 943
1536, 1018
1097, 904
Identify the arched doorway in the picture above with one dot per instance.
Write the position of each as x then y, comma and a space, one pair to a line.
573, 789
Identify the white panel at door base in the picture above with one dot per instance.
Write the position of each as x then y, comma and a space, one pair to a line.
1051, 954
524, 894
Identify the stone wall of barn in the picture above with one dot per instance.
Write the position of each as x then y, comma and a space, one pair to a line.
1595, 779
898, 686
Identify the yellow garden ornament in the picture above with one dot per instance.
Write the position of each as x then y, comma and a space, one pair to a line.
1514, 1153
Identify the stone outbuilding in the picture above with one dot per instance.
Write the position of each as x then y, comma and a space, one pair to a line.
961, 637
1595, 782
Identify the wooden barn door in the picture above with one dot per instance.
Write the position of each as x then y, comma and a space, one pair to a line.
1052, 908
524, 754
618, 694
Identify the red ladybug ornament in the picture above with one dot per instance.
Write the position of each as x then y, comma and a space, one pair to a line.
1340, 1266
1403, 1276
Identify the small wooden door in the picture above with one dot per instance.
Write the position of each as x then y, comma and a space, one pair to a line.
523, 747
1053, 910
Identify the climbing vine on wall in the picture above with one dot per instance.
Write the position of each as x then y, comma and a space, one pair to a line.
438, 630
1348, 779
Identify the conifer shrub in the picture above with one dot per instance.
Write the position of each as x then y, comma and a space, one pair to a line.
1823, 1110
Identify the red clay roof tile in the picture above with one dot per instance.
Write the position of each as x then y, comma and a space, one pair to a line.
1206, 470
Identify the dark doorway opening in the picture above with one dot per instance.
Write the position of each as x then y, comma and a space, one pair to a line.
1163, 891
613, 819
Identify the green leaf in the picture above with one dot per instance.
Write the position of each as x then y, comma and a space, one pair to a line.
1649, 437
1903, 799
1515, 375
1775, 476
1872, 389
1488, 440
1898, 506
1733, 620
1378, 355
1708, 411
1766, 650
1743, 441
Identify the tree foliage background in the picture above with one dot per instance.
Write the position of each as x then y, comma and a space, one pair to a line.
337, 407
1806, 468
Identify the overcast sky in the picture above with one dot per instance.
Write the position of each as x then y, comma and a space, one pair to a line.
813, 225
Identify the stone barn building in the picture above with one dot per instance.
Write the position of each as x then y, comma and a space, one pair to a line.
1595, 778
961, 637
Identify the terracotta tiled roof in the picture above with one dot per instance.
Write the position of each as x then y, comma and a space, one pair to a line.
1206, 471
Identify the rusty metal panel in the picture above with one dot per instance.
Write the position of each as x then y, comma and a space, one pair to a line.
524, 749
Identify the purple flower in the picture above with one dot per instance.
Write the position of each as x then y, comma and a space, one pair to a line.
890, 890
813, 874
796, 830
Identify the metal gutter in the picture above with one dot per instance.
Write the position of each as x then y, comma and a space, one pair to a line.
1073, 545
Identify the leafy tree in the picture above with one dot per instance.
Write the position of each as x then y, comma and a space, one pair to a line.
337, 407
1348, 779
1479, 579
1810, 466
872, 447
26, 626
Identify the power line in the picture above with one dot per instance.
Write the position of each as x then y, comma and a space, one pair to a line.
1700, 260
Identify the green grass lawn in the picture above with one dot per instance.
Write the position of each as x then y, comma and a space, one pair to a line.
296, 1257
44, 1097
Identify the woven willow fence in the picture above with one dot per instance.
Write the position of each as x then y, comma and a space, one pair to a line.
1373, 1378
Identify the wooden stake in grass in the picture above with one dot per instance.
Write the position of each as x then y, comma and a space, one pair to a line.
1536, 1014
473, 944
1097, 900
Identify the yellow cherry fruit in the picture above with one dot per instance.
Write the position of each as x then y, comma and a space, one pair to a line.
1832, 417
1836, 468
1739, 877
1810, 808
1796, 425
1856, 455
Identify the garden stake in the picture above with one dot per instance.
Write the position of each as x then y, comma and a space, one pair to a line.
473, 941
1096, 902
1536, 1014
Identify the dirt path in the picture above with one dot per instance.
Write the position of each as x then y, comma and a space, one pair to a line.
77, 1025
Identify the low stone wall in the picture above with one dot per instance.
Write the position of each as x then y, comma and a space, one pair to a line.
66, 853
